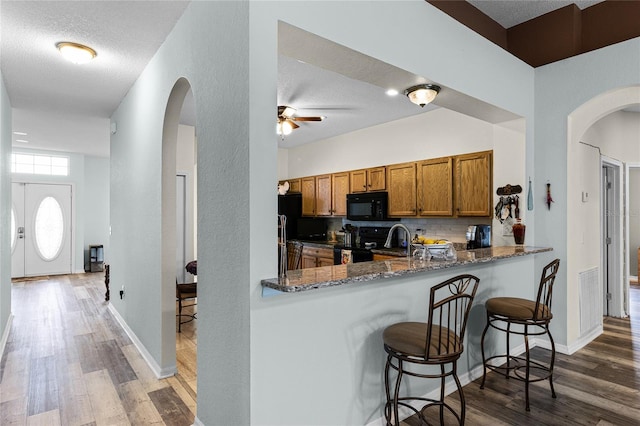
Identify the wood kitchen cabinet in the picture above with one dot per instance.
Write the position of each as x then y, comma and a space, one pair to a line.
401, 185
314, 257
435, 187
364, 180
473, 182
308, 189
294, 185
323, 195
339, 191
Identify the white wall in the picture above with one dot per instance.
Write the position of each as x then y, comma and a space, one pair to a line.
433, 134
634, 220
186, 164
618, 137
5, 213
95, 206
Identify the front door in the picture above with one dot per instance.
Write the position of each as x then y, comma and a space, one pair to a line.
41, 229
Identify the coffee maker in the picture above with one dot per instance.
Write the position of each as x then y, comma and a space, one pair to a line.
478, 236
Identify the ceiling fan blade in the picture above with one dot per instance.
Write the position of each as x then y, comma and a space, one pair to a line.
293, 125
307, 118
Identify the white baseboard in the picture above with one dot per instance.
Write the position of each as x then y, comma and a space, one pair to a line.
161, 373
197, 422
5, 334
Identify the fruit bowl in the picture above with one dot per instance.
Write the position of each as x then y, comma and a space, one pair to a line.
438, 251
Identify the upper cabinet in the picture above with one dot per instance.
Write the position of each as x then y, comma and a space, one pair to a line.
363, 180
308, 189
473, 183
435, 187
401, 184
340, 189
455, 186
325, 195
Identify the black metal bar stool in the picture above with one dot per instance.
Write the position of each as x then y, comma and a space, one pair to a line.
534, 318
437, 342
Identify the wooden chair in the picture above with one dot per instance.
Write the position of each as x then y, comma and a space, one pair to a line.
294, 255
531, 318
188, 291
437, 342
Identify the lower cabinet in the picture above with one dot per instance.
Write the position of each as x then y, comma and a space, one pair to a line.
377, 257
314, 257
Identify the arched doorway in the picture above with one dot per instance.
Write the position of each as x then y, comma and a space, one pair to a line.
178, 223
585, 211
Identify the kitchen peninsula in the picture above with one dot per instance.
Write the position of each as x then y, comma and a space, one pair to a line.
329, 276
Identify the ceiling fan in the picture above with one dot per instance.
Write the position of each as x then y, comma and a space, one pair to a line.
286, 120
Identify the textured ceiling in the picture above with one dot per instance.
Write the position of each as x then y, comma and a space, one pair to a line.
66, 107
513, 12
46, 90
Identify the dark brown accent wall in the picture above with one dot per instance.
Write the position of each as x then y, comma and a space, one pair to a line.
548, 38
557, 35
610, 22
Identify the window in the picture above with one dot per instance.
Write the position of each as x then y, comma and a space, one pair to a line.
36, 164
49, 228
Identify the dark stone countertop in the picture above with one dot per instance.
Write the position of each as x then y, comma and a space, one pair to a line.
337, 275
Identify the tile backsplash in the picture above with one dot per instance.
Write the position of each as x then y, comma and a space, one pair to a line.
452, 229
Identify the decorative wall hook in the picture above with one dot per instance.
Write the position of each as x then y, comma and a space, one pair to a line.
549, 199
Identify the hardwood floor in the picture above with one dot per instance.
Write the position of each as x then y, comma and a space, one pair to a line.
68, 362
598, 385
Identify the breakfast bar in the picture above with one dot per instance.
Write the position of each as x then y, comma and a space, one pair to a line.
357, 273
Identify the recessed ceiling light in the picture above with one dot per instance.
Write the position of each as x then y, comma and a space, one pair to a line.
392, 92
75, 52
22, 141
20, 133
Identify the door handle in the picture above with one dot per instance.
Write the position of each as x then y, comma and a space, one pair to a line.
21, 232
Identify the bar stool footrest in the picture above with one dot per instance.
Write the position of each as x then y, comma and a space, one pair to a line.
515, 371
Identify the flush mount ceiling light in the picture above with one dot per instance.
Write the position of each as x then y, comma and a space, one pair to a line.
75, 52
422, 94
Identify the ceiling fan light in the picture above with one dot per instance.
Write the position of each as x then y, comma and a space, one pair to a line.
75, 52
288, 111
284, 128
422, 94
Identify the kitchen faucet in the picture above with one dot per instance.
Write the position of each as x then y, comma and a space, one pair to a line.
407, 237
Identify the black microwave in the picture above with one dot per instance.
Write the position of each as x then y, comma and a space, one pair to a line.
367, 206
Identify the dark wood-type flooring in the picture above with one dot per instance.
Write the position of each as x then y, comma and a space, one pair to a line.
598, 385
67, 362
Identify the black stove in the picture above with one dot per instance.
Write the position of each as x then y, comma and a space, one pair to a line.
376, 235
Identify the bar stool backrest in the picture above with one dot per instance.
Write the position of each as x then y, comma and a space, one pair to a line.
294, 255
545, 291
449, 306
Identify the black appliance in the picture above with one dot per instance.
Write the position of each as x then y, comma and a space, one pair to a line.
367, 206
290, 205
311, 229
478, 236
374, 236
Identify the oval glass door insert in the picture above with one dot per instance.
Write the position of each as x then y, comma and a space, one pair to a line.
49, 228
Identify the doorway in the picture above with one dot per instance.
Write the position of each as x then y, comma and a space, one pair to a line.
41, 232
613, 288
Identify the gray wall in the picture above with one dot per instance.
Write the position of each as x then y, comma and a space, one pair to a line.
634, 219
243, 341
5, 212
95, 205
